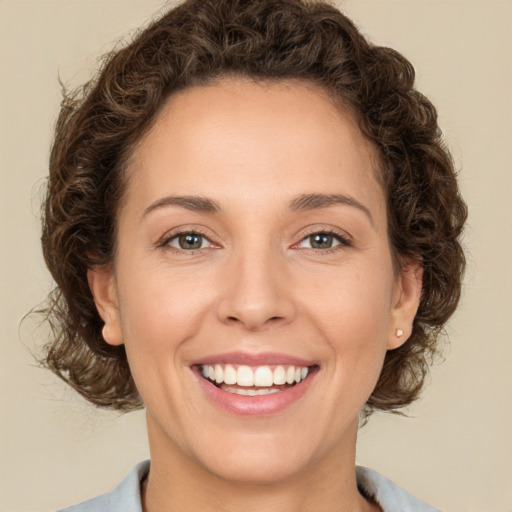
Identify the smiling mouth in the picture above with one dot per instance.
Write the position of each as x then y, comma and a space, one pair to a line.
254, 380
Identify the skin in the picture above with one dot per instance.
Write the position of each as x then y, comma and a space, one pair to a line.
256, 285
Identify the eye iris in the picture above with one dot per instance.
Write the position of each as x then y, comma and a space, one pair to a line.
320, 241
190, 241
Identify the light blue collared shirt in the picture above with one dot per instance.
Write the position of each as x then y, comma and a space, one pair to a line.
126, 496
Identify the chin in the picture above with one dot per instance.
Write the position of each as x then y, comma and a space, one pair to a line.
263, 468
259, 458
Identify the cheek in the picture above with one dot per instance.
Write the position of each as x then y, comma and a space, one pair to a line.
355, 302
354, 317
160, 309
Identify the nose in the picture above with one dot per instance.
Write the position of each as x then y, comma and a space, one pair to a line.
256, 292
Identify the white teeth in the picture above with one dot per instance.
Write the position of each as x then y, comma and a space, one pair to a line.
244, 376
279, 376
251, 392
229, 375
261, 376
219, 374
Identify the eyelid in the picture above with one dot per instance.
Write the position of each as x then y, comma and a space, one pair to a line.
163, 242
343, 237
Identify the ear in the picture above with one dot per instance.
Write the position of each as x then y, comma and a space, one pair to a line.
102, 284
406, 302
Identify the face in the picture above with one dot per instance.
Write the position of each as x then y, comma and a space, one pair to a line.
253, 286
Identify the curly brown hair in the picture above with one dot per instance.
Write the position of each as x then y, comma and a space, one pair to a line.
195, 43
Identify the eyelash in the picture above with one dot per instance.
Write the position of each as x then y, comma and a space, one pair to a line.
168, 239
342, 239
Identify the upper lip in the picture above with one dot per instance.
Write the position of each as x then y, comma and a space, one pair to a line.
261, 359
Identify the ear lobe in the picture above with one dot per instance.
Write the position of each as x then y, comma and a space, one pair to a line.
406, 305
103, 288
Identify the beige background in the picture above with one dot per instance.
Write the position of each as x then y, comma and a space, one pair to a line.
457, 450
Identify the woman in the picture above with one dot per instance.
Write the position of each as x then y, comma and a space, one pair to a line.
254, 230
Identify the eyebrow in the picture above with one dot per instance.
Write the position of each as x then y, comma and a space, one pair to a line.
193, 203
301, 203
316, 201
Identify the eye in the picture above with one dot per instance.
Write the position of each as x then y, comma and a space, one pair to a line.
322, 240
189, 241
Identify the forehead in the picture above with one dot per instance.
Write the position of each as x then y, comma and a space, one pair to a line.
238, 138
273, 106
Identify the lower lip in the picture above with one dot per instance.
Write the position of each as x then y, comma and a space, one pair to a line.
260, 405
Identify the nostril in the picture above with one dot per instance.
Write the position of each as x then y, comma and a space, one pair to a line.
235, 319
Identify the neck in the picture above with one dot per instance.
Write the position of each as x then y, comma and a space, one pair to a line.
178, 482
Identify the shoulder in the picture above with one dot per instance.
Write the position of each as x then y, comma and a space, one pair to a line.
387, 494
124, 498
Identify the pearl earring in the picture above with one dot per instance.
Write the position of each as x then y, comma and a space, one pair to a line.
399, 333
